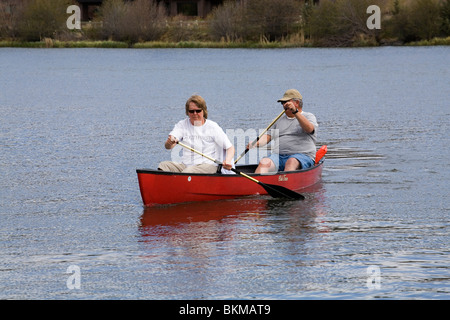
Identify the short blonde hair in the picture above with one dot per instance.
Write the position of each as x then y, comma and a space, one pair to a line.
199, 102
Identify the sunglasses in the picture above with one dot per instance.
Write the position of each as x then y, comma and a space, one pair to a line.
196, 111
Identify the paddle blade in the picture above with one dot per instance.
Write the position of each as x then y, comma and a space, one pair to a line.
281, 192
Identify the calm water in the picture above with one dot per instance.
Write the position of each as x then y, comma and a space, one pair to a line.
75, 124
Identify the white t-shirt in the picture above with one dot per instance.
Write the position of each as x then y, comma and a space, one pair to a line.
208, 138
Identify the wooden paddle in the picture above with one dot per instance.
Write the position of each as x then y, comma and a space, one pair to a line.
257, 139
272, 189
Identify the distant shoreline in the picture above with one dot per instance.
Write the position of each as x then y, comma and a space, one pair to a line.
50, 43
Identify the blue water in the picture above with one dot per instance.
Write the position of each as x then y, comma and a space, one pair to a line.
77, 123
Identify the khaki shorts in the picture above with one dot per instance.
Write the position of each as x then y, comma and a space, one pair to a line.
180, 167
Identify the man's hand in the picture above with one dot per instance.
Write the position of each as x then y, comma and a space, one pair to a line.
290, 106
227, 165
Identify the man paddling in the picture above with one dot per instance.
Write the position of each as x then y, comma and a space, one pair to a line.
295, 141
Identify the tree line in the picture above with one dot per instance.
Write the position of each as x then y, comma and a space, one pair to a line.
329, 23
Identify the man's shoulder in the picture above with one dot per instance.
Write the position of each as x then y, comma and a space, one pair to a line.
308, 114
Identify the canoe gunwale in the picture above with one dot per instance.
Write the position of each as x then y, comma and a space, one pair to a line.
251, 173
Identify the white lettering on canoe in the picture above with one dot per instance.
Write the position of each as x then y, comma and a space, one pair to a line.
282, 178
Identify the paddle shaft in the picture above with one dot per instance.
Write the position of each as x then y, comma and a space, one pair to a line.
257, 139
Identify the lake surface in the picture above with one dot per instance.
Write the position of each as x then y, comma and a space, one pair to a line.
76, 123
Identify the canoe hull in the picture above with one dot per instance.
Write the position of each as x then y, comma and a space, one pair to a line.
159, 187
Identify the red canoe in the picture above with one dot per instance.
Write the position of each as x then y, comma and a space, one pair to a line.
161, 187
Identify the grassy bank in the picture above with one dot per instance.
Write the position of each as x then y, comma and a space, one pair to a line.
212, 44
49, 43
63, 44
432, 42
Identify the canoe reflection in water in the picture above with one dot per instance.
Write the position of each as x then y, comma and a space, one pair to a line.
214, 219
229, 248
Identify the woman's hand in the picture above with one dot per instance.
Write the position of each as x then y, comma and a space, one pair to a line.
170, 142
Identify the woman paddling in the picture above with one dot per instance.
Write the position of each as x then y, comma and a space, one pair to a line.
201, 134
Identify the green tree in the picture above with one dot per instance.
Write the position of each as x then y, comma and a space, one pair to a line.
425, 19
307, 9
324, 24
42, 19
445, 16
342, 22
416, 20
